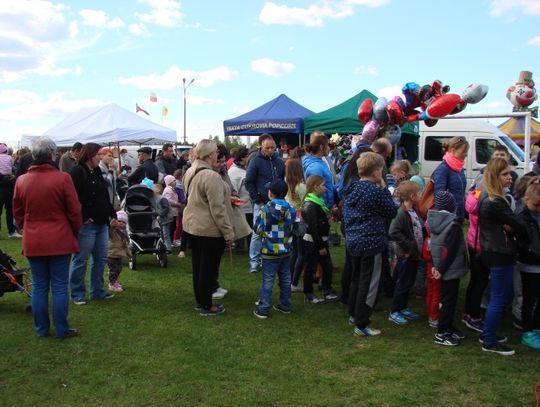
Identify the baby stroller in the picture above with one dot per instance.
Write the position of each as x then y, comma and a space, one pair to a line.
13, 278
144, 232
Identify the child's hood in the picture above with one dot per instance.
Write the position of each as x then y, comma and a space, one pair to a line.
439, 220
279, 209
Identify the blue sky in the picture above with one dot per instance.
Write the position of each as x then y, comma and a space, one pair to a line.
56, 57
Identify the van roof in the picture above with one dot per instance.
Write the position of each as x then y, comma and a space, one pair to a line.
450, 125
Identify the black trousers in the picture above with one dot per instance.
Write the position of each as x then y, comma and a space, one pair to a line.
449, 297
366, 274
477, 284
346, 277
312, 259
530, 309
206, 255
405, 275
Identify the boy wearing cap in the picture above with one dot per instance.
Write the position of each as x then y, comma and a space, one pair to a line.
118, 250
275, 226
450, 263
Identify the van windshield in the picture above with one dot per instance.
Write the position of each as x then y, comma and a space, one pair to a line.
512, 146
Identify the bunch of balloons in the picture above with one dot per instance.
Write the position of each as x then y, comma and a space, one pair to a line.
522, 94
384, 118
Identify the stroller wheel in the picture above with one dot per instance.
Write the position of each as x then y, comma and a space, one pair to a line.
132, 262
162, 257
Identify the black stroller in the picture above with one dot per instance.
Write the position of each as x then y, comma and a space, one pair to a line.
13, 278
145, 235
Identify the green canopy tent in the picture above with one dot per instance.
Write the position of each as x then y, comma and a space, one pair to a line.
343, 119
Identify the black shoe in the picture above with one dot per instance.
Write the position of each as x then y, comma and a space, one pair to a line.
282, 309
499, 349
72, 332
500, 339
457, 334
446, 339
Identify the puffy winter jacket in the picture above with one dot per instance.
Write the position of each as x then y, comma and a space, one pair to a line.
446, 179
262, 170
313, 165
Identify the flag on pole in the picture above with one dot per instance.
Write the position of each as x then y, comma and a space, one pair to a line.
153, 97
164, 111
140, 109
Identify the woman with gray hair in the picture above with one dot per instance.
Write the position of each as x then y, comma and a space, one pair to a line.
207, 221
46, 208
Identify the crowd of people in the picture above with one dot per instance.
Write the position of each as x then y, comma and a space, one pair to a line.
281, 210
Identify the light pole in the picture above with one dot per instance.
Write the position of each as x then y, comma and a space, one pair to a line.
185, 87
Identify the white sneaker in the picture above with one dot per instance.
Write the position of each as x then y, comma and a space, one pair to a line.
296, 288
181, 254
222, 291
176, 243
217, 295
15, 234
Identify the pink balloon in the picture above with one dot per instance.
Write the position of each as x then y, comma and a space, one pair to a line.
443, 105
370, 131
365, 111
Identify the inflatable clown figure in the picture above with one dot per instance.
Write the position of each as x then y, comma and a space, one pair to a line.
522, 94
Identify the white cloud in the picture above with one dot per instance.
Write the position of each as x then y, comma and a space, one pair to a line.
390, 91
495, 104
272, 68
30, 32
368, 3
369, 70
165, 13
504, 8
31, 106
534, 40
138, 29
313, 15
172, 78
100, 19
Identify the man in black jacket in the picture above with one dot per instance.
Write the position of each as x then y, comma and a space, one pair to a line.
147, 168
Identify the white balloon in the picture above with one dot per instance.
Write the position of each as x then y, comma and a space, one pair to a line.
474, 93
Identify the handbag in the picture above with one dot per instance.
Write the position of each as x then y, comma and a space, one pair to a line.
240, 225
427, 200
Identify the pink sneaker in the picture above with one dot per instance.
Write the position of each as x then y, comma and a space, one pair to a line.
115, 287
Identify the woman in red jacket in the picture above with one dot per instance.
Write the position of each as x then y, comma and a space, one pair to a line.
46, 209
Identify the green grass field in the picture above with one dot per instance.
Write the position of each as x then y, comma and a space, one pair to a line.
148, 346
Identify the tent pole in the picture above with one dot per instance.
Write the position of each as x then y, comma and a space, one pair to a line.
527, 141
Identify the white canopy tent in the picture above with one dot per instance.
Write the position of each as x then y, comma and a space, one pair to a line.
109, 124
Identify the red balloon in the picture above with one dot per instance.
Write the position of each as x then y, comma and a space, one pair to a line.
459, 107
443, 105
413, 117
395, 113
365, 111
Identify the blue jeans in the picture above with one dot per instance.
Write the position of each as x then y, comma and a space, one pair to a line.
502, 290
166, 230
255, 245
271, 267
93, 240
50, 272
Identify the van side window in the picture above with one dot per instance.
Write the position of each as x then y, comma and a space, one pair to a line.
484, 149
434, 148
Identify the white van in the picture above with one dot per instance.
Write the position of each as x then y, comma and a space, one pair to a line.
482, 136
